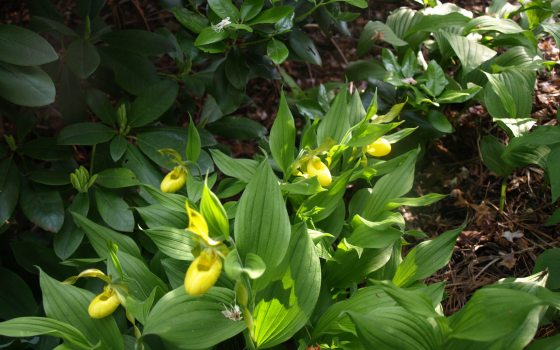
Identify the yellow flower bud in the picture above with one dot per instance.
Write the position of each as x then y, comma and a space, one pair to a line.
315, 167
104, 304
379, 148
203, 273
174, 180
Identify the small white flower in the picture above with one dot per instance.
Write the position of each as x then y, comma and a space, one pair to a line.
232, 313
220, 26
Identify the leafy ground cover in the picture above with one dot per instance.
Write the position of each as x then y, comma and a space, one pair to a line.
494, 243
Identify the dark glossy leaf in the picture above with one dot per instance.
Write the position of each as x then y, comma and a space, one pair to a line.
23, 47
277, 51
114, 210
224, 8
304, 47
238, 128
190, 20
85, 134
100, 105
43, 207
82, 58
250, 8
133, 72
117, 147
26, 86
152, 103
16, 298
117, 178
139, 41
272, 15
210, 36
236, 69
9, 189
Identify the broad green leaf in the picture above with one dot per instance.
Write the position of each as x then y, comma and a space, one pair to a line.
24, 327
9, 189
137, 276
133, 72
100, 236
432, 23
321, 205
336, 122
554, 218
402, 20
250, 8
45, 148
439, 121
114, 210
426, 258
421, 201
458, 96
554, 30
277, 51
141, 167
553, 171
395, 328
304, 47
358, 3
69, 304
152, 103
214, 213
283, 136
435, 79
82, 58
116, 178
365, 70
492, 313
367, 133
272, 15
262, 225
175, 271
376, 234
188, 322
239, 128
85, 134
192, 151
371, 202
549, 261
57, 177
492, 24
470, 53
253, 266
491, 150
517, 57
190, 20
242, 169
356, 110
285, 306
416, 301
376, 32
548, 343
23, 47
209, 35
224, 8
172, 201
26, 86
142, 42
366, 300
173, 242
68, 239
117, 148
100, 105
157, 215
43, 207
237, 70
509, 94
16, 298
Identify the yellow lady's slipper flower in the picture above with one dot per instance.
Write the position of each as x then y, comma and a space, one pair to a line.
203, 273
315, 167
379, 148
104, 304
198, 225
174, 180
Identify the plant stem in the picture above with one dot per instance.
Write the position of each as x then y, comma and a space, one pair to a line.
503, 194
91, 159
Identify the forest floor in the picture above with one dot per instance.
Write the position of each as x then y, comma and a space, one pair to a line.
494, 244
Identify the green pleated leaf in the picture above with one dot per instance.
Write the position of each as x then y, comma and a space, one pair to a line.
173, 242
23, 47
137, 276
32, 326
85, 134
262, 225
99, 237
492, 24
509, 94
9, 189
470, 53
42, 207
192, 150
491, 150
114, 210
214, 213
377, 31
82, 58
26, 86
283, 136
242, 169
157, 215
285, 306
492, 313
426, 258
188, 322
69, 304
335, 123
153, 102
395, 328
